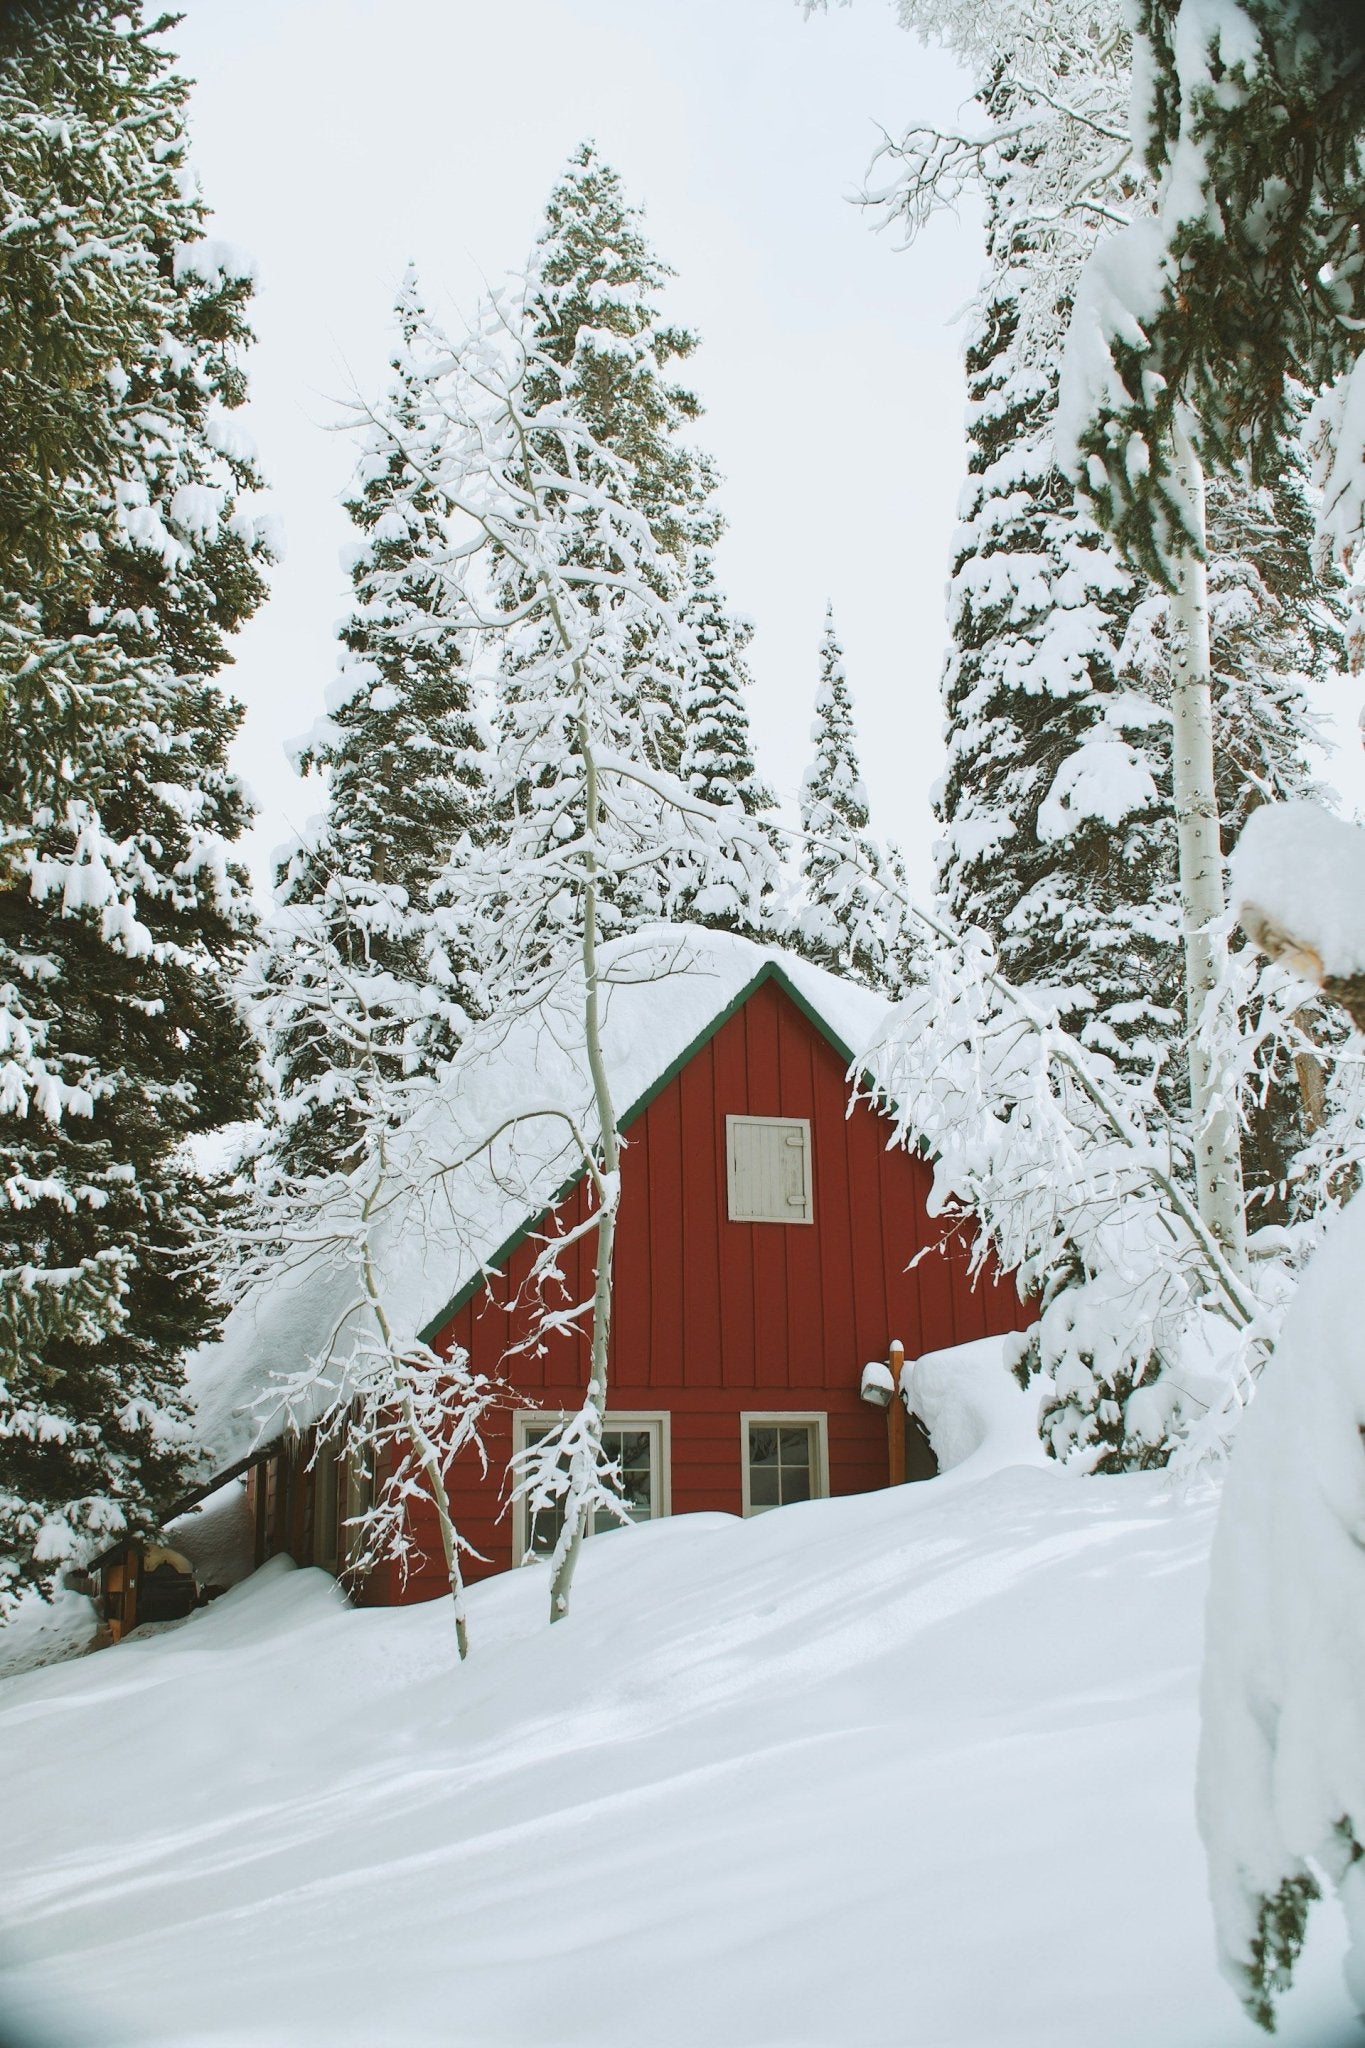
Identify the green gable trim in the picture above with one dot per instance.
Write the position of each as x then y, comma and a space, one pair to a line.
769, 971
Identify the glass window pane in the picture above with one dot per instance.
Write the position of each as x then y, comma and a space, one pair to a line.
795, 1482
542, 1529
796, 1445
632, 1452
638, 1495
545, 1528
763, 1486
762, 1446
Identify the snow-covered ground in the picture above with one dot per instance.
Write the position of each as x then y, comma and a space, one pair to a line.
912, 1768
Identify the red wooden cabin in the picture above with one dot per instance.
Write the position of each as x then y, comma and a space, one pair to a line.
770, 1244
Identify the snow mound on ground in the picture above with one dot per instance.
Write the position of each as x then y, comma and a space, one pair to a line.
974, 1409
878, 1772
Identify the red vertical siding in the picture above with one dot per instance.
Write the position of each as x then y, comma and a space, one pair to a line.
714, 1317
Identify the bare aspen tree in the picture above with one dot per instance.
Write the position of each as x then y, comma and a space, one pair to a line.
556, 582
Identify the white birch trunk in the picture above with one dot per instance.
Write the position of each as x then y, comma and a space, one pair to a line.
429, 1459
426, 1452
609, 1186
1217, 1143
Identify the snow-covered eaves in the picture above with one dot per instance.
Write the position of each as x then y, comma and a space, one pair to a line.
489, 1154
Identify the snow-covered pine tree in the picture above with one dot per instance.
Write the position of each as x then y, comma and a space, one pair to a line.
598, 340
1055, 796
843, 920
125, 561
596, 319
716, 762
355, 981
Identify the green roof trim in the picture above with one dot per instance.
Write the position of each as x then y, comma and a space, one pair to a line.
772, 971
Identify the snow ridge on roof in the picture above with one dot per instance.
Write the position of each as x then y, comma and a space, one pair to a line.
452, 1201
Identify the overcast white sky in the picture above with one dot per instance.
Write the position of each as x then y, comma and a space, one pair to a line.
335, 138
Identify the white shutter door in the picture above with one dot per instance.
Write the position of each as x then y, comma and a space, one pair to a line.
769, 1169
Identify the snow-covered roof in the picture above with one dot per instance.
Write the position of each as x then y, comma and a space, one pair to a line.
452, 1205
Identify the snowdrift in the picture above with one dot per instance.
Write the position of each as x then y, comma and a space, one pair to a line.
911, 1768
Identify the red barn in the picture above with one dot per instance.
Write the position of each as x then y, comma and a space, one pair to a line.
771, 1242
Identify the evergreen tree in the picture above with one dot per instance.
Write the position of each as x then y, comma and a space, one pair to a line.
357, 978
1056, 794
594, 317
597, 324
843, 922
717, 759
125, 563
596, 341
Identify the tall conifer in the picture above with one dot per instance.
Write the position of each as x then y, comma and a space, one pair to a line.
356, 964
598, 342
125, 561
717, 759
1056, 796
595, 314
843, 922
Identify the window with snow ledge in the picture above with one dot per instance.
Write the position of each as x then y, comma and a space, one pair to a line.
786, 1458
638, 1444
768, 1169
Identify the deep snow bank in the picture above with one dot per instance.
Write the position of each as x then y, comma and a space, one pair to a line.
978, 1417
913, 1768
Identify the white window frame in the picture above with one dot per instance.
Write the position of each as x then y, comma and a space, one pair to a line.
657, 1420
733, 1124
786, 1418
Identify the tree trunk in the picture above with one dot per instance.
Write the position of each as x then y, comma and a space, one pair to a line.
1217, 1145
609, 1190
430, 1462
